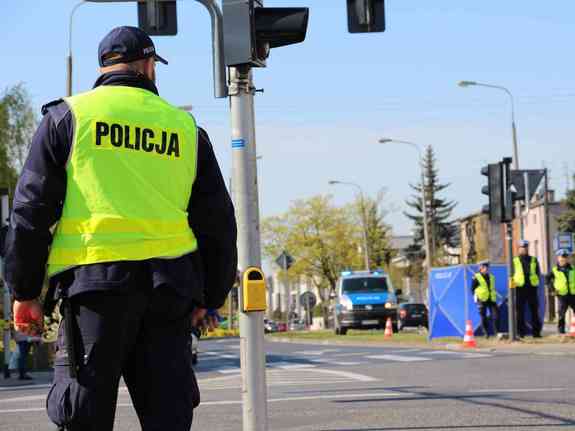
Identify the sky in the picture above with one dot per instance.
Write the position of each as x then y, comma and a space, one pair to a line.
328, 100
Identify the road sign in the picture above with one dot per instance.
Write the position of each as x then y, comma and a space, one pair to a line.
564, 240
308, 300
534, 177
285, 261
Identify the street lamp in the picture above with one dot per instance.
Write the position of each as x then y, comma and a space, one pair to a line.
69, 59
465, 84
426, 235
363, 217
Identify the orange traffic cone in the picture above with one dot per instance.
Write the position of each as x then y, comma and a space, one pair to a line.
388, 329
468, 339
572, 327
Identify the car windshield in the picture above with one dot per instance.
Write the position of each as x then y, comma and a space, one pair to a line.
368, 284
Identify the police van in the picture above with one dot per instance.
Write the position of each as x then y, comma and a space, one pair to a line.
364, 300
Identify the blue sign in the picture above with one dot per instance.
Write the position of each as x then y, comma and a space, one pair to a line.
563, 240
238, 143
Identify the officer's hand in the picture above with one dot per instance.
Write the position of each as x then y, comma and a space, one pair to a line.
28, 317
198, 315
211, 322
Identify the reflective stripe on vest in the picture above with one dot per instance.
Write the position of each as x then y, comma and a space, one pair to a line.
560, 282
129, 180
483, 292
519, 276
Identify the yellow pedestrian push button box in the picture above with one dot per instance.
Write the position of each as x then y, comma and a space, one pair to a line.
254, 290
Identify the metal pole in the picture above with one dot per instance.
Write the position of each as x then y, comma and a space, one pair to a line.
549, 262
219, 67
428, 257
512, 299
365, 242
252, 353
4, 214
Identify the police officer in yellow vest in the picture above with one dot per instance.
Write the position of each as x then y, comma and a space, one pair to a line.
483, 287
562, 278
526, 276
144, 242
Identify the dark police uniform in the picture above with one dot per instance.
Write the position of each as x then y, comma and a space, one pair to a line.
562, 278
527, 294
129, 319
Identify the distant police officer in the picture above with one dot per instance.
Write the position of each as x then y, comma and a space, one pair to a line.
144, 242
526, 275
483, 288
562, 278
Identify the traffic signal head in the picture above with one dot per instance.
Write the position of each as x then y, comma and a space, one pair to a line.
365, 16
251, 30
158, 18
495, 191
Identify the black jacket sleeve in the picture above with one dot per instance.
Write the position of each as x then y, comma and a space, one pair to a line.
211, 217
37, 204
474, 284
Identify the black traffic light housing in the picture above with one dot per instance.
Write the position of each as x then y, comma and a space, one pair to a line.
158, 18
500, 207
365, 16
251, 30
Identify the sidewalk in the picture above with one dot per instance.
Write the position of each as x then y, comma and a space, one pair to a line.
41, 379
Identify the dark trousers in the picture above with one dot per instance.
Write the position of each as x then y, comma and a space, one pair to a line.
142, 336
23, 351
494, 314
527, 297
564, 303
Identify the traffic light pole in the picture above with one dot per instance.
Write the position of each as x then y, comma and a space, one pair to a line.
512, 299
252, 355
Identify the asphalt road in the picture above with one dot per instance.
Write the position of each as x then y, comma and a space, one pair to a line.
345, 388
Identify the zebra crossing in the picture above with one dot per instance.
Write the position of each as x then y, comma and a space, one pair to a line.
224, 358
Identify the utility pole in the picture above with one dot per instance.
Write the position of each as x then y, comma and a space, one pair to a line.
4, 215
549, 261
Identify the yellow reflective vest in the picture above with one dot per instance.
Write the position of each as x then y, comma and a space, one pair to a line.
562, 285
519, 276
129, 180
485, 292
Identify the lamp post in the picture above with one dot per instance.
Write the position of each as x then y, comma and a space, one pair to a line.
363, 218
69, 60
426, 234
465, 84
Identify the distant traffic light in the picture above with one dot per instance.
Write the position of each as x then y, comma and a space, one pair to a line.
498, 189
365, 16
158, 18
251, 30
494, 190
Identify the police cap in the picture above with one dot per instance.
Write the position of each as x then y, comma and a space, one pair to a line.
126, 44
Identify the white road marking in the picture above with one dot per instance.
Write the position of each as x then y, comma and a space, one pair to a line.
352, 354
231, 370
314, 352
11, 388
527, 390
239, 402
23, 399
399, 358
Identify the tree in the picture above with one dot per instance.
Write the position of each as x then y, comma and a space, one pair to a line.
321, 238
567, 219
442, 231
17, 125
379, 233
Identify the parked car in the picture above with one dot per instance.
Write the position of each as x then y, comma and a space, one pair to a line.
297, 325
270, 326
282, 327
412, 315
